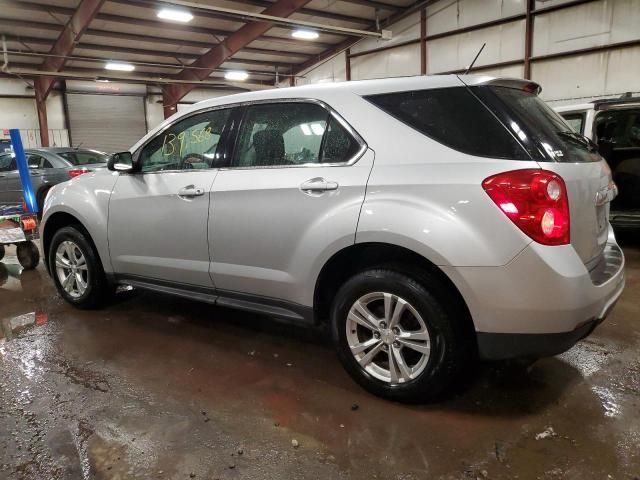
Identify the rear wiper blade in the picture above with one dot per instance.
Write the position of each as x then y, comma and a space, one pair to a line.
579, 138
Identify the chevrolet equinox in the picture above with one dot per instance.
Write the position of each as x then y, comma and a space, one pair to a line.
429, 221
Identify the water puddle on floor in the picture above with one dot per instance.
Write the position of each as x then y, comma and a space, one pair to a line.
12, 327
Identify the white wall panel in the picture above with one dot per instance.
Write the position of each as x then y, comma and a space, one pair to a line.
406, 29
155, 112
514, 71
330, 71
589, 25
398, 62
452, 14
597, 74
18, 113
504, 43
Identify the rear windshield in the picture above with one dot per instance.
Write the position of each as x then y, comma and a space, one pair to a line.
455, 118
84, 157
544, 134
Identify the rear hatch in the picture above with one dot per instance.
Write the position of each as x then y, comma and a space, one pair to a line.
552, 143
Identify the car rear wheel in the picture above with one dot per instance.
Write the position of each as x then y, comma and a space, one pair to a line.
398, 337
76, 269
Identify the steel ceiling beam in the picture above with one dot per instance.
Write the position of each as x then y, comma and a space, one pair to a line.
154, 53
350, 42
261, 3
222, 52
107, 17
244, 15
63, 46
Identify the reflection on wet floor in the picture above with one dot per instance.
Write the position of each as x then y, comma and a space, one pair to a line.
154, 387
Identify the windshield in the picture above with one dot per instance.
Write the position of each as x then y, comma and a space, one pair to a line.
543, 132
84, 157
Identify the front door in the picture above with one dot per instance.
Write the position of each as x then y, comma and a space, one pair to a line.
158, 216
291, 196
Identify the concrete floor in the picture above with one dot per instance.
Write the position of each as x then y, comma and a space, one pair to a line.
156, 387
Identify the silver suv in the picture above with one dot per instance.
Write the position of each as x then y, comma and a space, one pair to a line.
428, 221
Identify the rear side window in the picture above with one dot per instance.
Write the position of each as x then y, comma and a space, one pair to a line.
453, 117
84, 157
575, 121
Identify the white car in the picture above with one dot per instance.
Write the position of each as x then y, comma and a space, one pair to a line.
426, 220
614, 125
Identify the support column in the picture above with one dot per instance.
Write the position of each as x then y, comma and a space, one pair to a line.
423, 41
528, 39
347, 67
41, 106
168, 104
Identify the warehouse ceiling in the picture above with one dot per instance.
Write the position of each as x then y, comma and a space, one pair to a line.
161, 50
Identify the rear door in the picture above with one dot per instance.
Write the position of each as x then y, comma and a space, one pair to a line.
558, 148
158, 217
292, 195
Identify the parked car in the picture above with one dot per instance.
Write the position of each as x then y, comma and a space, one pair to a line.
48, 167
614, 125
426, 220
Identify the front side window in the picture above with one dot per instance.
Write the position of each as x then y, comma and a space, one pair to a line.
291, 133
188, 144
34, 161
84, 157
453, 117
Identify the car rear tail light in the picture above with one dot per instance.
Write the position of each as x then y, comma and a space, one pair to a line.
536, 201
78, 171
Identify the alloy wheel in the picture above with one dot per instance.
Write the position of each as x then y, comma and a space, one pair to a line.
388, 337
71, 269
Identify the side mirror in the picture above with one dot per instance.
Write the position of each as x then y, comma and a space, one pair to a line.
121, 162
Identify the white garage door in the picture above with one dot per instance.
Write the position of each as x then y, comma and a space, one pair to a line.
111, 123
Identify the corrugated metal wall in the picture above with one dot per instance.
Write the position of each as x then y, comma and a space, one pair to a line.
580, 26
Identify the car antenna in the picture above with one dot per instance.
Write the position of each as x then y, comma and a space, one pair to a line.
78, 146
474, 60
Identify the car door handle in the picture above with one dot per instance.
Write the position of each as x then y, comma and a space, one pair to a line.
318, 184
190, 191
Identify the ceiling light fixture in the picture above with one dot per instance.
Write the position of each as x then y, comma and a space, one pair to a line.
303, 34
174, 15
237, 75
120, 66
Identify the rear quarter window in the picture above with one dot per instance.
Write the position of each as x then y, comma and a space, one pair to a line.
453, 117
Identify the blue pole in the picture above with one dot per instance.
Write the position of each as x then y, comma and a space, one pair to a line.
23, 168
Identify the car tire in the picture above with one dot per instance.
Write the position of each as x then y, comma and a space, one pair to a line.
28, 255
426, 306
2, 252
88, 290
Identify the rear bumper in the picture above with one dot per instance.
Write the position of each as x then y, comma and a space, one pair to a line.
542, 302
500, 346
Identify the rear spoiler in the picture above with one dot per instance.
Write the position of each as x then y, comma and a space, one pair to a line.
516, 83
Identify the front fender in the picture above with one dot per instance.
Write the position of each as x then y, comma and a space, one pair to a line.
86, 198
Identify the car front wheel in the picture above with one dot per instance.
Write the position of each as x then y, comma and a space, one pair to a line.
76, 268
398, 337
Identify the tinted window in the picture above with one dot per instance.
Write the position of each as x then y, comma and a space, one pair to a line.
339, 145
189, 144
5, 162
575, 121
453, 117
35, 161
621, 127
84, 157
545, 134
281, 134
